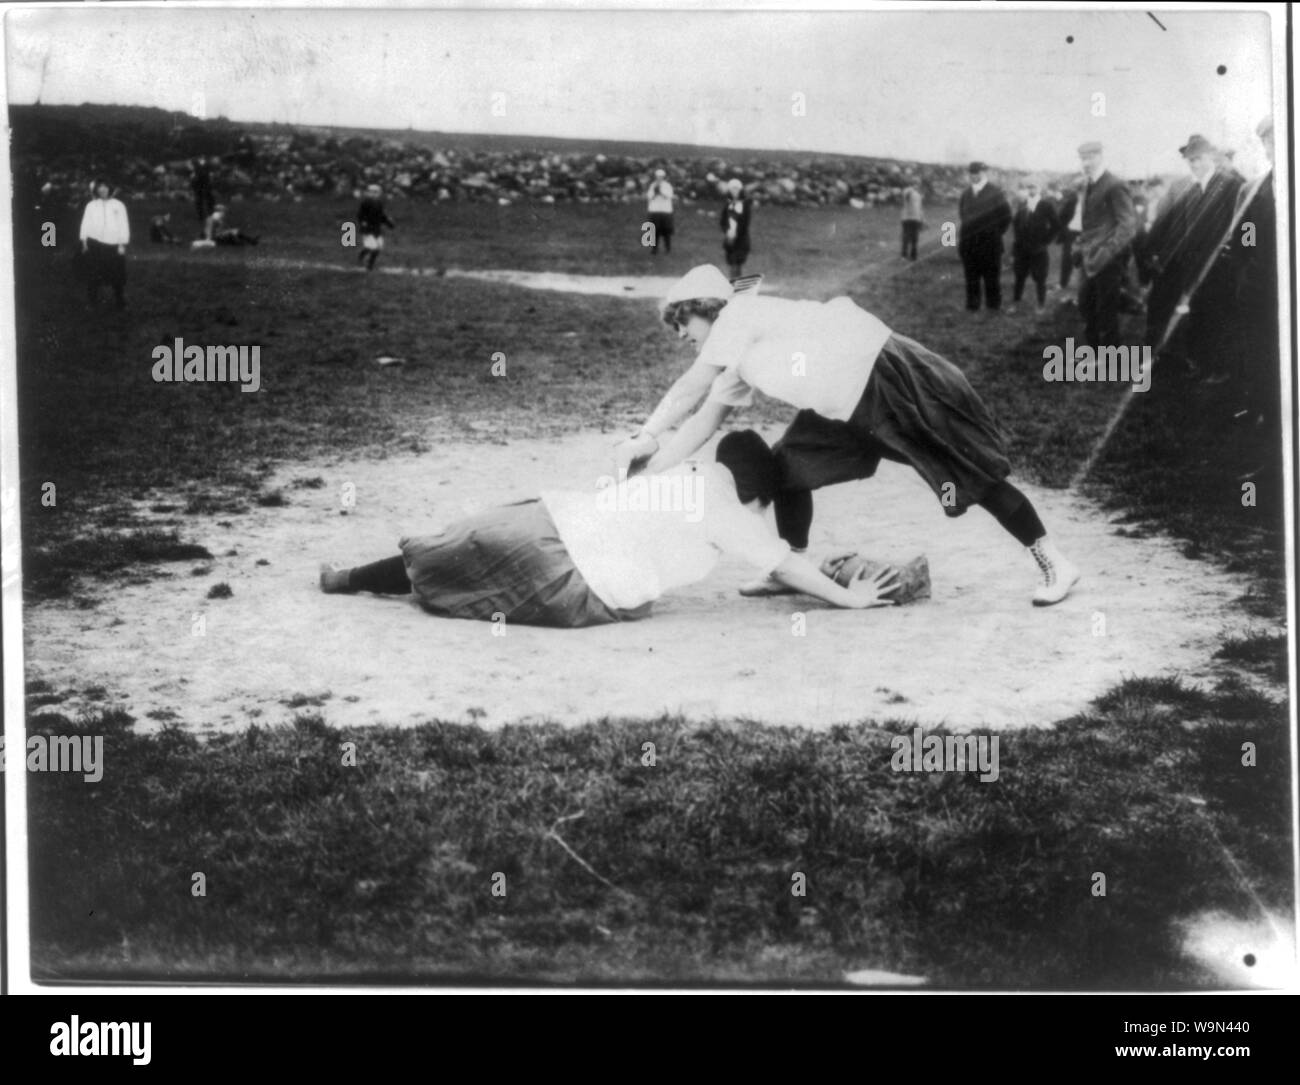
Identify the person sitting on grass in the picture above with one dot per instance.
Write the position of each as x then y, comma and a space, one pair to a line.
573, 559
160, 230
218, 231
864, 393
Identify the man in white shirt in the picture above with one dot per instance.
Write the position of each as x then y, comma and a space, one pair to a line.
659, 203
105, 234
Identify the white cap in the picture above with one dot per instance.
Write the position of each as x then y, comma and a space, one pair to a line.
660, 173
705, 281
736, 185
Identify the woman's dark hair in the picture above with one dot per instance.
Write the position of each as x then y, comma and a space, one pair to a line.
679, 312
752, 464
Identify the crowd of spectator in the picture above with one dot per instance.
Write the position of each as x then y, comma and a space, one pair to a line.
291, 165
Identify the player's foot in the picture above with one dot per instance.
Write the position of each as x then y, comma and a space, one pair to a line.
764, 586
334, 580
1059, 574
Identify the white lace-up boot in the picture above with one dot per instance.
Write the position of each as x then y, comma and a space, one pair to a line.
1059, 573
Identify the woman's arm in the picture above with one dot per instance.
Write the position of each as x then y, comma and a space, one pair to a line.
676, 404
799, 573
697, 429
680, 398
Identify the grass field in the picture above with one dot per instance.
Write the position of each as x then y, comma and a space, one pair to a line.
616, 871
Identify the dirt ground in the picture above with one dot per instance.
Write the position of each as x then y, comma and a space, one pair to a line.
975, 655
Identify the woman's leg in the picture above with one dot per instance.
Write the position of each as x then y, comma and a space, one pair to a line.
794, 515
1015, 512
922, 409
812, 453
384, 577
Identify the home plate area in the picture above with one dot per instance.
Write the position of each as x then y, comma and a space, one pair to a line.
975, 655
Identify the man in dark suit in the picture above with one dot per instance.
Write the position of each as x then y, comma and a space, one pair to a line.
1183, 243
1253, 323
1109, 224
985, 216
1071, 218
1033, 228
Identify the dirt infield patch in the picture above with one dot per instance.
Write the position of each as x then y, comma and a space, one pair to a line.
976, 654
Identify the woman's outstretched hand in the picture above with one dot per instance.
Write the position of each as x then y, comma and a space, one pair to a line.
872, 591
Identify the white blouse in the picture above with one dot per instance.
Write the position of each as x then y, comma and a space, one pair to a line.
634, 540
813, 355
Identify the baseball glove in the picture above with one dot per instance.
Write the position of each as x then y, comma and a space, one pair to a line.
913, 576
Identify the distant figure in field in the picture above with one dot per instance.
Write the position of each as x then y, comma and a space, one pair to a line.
736, 213
105, 234
160, 230
659, 204
217, 231
1034, 226
372, 218
205, 201
985, 215
911, 218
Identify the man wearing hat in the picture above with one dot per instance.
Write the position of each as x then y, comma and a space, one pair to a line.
1033, 228
659, 202
1184, 243
985, 216
1109, 224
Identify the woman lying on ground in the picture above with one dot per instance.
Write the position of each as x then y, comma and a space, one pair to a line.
574, 559
864, 393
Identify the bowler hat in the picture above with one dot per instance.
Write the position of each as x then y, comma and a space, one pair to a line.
977, 167
1196, 144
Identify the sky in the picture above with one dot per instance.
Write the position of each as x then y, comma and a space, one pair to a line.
1010, 87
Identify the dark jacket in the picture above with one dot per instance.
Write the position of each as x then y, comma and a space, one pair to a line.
1188, 233
1254, 267
371, 216
1032, 233
1109, 223
984, 219
1065, 214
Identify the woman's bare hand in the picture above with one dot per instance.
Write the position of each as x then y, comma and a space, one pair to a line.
871, 592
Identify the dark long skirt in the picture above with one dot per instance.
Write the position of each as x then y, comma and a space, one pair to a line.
507, 561
918, 408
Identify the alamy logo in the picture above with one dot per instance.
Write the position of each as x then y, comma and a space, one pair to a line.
651, 493
195, 364
63, 753
1128, 364
946, 753
77, 1037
